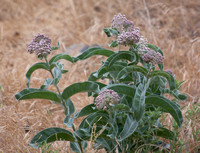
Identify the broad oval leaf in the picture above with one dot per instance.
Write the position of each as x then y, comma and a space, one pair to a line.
47, 83
130, 126
106, 143
103, 70
175, 93
165, 133
51, 135
110, 31
122, 89
76, 148
89, 109
94, 51
94, 118
80, 87
127, 55
138, 103
167, 105
32, 93
61, 56
69, 110
129, 69
36, 66
168, 76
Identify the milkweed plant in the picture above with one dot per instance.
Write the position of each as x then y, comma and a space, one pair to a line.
125, 114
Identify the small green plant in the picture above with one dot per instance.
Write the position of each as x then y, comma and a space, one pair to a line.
46, 148
125, 114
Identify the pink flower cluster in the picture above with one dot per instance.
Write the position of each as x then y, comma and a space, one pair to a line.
142, 46
128, 38
128, 34
106, 98
153, 57
41, 45
121, 23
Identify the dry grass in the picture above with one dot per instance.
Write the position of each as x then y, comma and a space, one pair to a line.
172, 25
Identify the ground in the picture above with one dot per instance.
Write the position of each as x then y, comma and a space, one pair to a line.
174, 26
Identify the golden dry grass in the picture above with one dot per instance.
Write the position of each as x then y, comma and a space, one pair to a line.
174, 26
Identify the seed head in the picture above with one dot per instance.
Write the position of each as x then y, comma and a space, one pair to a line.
41, 45
106, 98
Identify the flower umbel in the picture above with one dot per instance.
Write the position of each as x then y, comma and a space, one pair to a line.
41, 45
106, 98
129, 38
153, 57
121, 23
142, 46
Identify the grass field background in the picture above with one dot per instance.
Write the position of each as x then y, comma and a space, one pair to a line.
174, 26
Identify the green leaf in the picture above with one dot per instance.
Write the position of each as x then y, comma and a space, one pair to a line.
83, 134
165, 133
33, 68
56, 47
103, 70
68, 121
51, 135
167, 105
101, 85
33, 93
61, 56
113, 44
138, 105
110, 32
80, 87
76, 148
47, 83
168, 76
106, 143
182, 97
127, 55
94, 51
122, 89
94, 118
121, 107
89, 109
130, 126
175, 93
57, 72
129, 69
155, 48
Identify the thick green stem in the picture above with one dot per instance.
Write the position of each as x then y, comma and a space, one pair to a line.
52, 76
62, 101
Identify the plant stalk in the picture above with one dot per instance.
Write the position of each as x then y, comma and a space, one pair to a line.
62, 101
